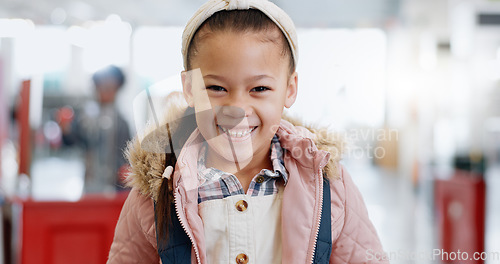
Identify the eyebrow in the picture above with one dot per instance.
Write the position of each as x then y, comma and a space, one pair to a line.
253, 78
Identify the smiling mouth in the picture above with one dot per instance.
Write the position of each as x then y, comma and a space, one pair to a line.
237, 133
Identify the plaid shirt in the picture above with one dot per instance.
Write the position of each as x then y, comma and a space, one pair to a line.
219, 184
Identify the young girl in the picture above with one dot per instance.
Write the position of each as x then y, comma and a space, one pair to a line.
247, 186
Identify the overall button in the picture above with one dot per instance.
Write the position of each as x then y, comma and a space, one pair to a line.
241, 205
259, 179
242, 258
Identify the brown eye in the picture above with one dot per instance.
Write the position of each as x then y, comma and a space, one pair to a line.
216, 88
260, 89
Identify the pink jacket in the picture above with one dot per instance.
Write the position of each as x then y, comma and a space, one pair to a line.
309, 154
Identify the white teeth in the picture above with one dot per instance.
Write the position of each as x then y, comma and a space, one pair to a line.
237, 134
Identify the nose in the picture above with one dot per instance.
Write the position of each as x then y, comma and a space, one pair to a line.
237, 104
233, 111
229, 115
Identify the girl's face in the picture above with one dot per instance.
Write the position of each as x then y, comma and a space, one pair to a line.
244, 82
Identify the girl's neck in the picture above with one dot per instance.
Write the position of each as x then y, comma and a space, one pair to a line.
244, 174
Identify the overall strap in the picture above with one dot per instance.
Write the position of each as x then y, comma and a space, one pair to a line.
324, 238
177, 250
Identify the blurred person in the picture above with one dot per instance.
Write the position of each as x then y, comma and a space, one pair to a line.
247, 185
102, 131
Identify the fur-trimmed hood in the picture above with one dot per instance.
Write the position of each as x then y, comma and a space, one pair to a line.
145, 152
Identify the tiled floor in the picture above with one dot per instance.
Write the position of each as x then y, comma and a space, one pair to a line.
403, 215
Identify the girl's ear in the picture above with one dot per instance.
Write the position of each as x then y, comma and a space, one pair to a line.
187, 86
291, 90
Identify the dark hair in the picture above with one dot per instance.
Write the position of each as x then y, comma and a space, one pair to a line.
251, 20
110, 71
185, 128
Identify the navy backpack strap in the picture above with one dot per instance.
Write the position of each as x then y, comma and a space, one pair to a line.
178, 248
324, 238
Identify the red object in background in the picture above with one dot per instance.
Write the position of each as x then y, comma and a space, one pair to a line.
23, 114
68, 232
65, 114
460, 208
123, 172
64, 117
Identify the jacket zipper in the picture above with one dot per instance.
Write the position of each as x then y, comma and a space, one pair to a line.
185, 229
316, 231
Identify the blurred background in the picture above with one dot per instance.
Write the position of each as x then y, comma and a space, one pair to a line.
413, 86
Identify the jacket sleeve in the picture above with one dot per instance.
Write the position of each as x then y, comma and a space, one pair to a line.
357, 240
135, 237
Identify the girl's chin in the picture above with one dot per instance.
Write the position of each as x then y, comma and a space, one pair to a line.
243, 153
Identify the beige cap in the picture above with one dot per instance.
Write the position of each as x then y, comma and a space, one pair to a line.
276, 14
